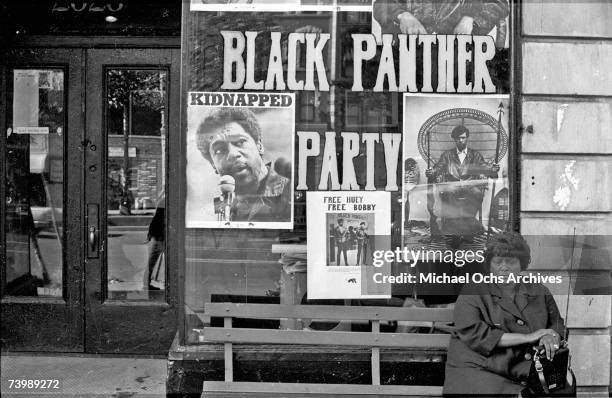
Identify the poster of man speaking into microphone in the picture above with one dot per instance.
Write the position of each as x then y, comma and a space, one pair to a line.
239, 152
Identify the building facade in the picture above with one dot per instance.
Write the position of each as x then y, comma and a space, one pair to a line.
116, 233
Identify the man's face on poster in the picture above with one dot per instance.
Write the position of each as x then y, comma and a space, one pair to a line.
234, 152
341, 223
461, 141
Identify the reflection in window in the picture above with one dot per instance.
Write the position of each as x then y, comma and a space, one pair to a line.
370, 110
34, 203
313, 107
136, 126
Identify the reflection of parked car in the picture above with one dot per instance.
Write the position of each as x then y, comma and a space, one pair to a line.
43, 217
144, 203
34, 193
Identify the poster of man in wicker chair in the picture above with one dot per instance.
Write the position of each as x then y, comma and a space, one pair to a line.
455, 169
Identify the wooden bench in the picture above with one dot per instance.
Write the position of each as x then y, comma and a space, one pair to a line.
373, 340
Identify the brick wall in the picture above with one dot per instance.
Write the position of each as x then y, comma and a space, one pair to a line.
566, 156
146, 174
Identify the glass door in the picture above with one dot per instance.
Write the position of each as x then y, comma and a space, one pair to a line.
41, 174
131, 112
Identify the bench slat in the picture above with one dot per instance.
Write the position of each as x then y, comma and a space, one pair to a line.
328, 312
272, 336
311, 388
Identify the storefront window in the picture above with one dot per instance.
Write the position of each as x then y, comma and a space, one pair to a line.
34, 198
136, 116
337, 128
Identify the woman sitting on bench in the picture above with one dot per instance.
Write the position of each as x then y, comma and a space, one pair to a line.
497, 324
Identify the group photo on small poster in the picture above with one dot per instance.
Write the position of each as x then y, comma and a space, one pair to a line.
239, 160
455, 190
349, 240
345, 229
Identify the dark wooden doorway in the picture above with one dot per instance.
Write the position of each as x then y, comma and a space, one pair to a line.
41, 163
132, 109
84, 175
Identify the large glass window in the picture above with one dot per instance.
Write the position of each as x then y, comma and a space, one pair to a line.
420, 125
34, 198
136, 125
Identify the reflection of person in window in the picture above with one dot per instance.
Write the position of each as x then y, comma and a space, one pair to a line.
231, 140
157, 237
497, 324
341, 237
362, 243
460, 169
411, 180
462, 17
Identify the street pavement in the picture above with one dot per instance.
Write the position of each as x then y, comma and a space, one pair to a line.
84, 376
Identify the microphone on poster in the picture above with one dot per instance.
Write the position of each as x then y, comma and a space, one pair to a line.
282, 166
227, 185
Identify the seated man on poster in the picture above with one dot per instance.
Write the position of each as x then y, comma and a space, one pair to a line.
460, 171
461, 17
252, 190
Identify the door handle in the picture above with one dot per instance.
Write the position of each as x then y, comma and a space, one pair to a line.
93, 227
93, 238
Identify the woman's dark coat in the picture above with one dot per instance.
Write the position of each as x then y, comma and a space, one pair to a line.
482, 315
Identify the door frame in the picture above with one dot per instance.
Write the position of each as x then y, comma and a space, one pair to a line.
122, 326
31, 323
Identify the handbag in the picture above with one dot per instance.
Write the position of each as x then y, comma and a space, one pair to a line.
551, 377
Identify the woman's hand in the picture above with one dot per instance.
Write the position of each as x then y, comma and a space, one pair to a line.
408, 24
551, 345
547, 338
538, 334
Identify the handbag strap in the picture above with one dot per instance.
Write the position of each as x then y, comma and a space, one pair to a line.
540, 369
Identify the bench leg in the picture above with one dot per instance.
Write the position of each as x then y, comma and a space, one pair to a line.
183, 382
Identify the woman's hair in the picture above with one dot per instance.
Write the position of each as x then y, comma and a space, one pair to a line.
508, 244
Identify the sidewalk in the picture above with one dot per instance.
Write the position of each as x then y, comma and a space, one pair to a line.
85, 376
